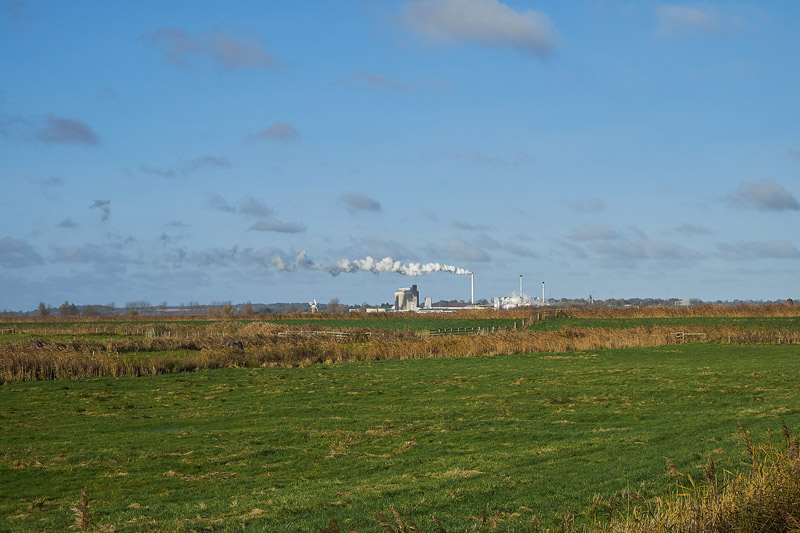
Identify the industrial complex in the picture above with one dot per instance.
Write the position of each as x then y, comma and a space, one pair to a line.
408, 299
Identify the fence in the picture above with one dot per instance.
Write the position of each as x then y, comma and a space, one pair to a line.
681, 336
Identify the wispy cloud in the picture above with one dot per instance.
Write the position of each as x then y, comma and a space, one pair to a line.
16, 253
205, 161
587, 205
238, 50
103, 207
692, 230
186, 166
249, 207
469, 226
218, 203
279, 131
253, 207
157, 171
593, 232
460, 250
379, 81
764, 195
66, 130
354, 201
678, 21
50, 129
486, 22
50, 182
67, 223
92, 253
645, 249
278, 226
777, 249
16, 10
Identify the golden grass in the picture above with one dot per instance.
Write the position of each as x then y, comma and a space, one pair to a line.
766, 498
81, 357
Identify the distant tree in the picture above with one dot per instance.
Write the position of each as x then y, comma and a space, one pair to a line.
43, 311
335, 307
247, 310
226, 310
67, 309
91, 310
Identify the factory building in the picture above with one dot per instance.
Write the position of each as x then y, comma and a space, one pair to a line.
406, 299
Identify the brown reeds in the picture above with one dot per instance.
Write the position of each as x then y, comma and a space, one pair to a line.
765, 498
768, 310
268, 345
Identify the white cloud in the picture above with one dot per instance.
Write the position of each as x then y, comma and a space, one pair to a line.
676, 21
587, 205
777, 249
354, 201
103, 206
278, 226
645, 250
242, 51
692, 230
379, 81
249, 207
764, 195
15, 253
51, 129
279, 131
593, 232
487, 22
463, 251
67, 223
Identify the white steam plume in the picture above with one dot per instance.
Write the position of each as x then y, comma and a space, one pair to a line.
387, 264
368, 264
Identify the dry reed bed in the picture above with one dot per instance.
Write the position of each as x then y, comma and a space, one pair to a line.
771, 310
81, 357
766, 498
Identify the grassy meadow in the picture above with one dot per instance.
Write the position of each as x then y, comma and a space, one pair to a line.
523, 436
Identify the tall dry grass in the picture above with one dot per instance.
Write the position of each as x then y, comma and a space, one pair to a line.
768, 310
764, 498
264, 345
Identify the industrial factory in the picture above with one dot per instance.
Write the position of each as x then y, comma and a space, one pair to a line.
407, 299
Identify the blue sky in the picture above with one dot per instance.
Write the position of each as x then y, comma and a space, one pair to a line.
190, 151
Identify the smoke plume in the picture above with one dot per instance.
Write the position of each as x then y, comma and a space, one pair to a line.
368, 264
387, 264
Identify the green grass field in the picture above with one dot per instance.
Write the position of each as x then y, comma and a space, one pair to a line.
284, 449
63, 331
779, 322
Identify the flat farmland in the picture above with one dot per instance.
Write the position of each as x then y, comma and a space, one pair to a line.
284, 449
789, 323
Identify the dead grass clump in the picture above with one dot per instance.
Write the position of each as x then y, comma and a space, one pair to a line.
764, 498
708, 310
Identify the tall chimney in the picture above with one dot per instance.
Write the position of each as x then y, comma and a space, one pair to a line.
472, 277
520, 286
543, 293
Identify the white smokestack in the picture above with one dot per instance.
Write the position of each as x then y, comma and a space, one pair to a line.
472, 277
520, 286
543, 293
